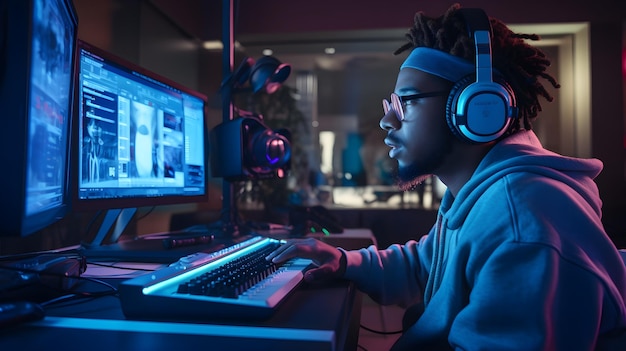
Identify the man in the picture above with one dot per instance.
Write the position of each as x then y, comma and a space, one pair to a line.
518, 258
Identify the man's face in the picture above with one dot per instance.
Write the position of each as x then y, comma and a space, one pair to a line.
421, 142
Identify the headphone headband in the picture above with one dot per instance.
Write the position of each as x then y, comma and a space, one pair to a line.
479, 30
480, 108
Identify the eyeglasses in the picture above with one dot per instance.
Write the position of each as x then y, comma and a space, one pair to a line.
398, 103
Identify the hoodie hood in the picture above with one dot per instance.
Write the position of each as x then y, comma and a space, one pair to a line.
523, 152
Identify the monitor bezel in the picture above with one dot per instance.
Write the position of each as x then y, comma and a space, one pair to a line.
16, 86
83, 205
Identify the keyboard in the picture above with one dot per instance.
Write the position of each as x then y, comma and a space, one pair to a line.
235, 282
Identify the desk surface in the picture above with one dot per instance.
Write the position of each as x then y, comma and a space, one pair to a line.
314, 317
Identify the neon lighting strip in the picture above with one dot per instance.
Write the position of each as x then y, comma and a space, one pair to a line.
188, 329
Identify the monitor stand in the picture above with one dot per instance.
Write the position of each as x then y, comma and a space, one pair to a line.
149, 249
120, 217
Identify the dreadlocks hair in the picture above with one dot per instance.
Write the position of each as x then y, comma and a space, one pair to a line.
520, 64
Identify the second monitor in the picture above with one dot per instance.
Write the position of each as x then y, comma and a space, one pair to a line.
141, 140
141, 137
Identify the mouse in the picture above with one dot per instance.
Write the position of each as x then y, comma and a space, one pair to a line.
17, 312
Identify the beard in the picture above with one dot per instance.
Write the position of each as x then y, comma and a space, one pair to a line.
409, 176
406, 183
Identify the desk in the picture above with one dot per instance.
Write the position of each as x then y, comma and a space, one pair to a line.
315, 317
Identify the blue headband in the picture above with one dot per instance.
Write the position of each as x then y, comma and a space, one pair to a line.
439, 63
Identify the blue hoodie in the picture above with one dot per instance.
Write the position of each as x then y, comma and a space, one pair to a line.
518, 261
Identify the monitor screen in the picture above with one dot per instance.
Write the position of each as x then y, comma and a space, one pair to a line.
141, 138
37, 90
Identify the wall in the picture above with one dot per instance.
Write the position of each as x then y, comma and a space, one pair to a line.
139, 32
287, 16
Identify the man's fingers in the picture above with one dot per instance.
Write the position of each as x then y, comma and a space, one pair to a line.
283, 253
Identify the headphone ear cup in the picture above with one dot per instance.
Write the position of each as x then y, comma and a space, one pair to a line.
451, 105
480, 112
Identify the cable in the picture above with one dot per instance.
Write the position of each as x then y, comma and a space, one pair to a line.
121, 267
80, 295
70, 253
58, 300
111, 290
381, 331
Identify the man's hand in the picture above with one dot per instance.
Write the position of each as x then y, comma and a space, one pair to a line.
330, 261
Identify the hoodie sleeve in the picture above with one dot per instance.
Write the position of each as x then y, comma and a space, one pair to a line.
396, 275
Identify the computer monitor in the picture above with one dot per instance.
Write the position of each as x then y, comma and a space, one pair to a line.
37, 44
141, 138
